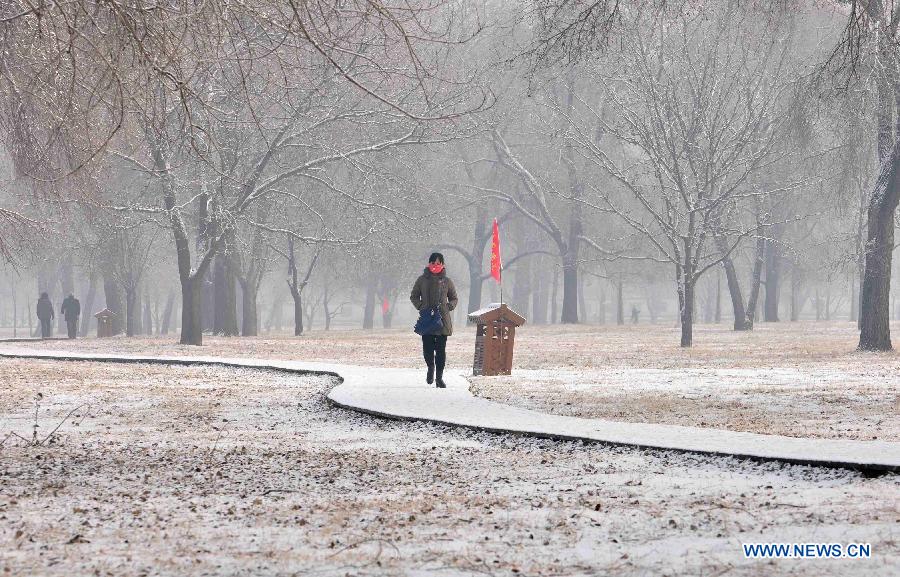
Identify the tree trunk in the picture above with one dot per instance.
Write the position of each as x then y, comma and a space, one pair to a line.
148, 318
601, 306
250, 314
708, 304
687, 314
718, 318
541, 294
192, 311
208, 302
620, 303
652, 309
573, 243
87, 311
875, 330
369, 308
325, 299
132, 312
192, 279
521, 289
570, 291
133, 309
687, 319
818, 305
480, 238
67, 283
297, 297
476, 284
224, 292
570, 270
874, 309
206, 231
138, 322
229, 316
860, 272
279, 315
15, 307
273, 320
795, 295
755, 282
582, 301
224, 295
686, 280
773, 279
737, 299
310, 313
167, 313
298, 315
554, 295
218, 295
114, 302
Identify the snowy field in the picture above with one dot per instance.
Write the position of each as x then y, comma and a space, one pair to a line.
796, 379
202, 471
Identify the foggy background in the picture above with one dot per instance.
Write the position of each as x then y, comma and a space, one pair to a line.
241, 170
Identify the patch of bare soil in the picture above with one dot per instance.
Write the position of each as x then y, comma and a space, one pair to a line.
212, 471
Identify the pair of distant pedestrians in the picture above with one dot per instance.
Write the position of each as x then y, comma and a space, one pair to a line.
71, 310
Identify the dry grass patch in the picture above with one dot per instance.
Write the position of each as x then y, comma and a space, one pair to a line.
213, 471
797, 379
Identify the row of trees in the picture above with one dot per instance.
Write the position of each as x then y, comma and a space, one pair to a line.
227, 143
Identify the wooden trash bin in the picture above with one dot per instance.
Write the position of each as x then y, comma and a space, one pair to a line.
494, 339
104, 323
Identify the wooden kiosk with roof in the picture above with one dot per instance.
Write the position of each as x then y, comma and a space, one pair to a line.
494, 338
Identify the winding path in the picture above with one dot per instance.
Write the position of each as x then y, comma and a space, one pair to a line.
401, 394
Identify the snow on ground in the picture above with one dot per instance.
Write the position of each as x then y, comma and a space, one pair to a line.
807, 402
201, 470
795, 379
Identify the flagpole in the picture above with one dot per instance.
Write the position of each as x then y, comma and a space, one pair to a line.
496, 261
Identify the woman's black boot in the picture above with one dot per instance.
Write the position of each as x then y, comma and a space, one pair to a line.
440, 381
429, 378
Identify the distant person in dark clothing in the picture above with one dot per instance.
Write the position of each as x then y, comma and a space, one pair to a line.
45, 315
635, 313
71, 310
435, 289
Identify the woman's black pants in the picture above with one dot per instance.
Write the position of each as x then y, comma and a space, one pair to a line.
434, 347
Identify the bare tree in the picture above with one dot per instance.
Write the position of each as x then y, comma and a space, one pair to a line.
697, 119
296, 284
869, 47
181, 115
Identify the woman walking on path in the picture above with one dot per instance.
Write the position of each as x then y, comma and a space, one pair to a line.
435, 289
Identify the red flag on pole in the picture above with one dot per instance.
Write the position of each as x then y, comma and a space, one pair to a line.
495, 253
385, 306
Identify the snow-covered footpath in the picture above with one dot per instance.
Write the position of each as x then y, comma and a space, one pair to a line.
220, 471
398, 393
793, 379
